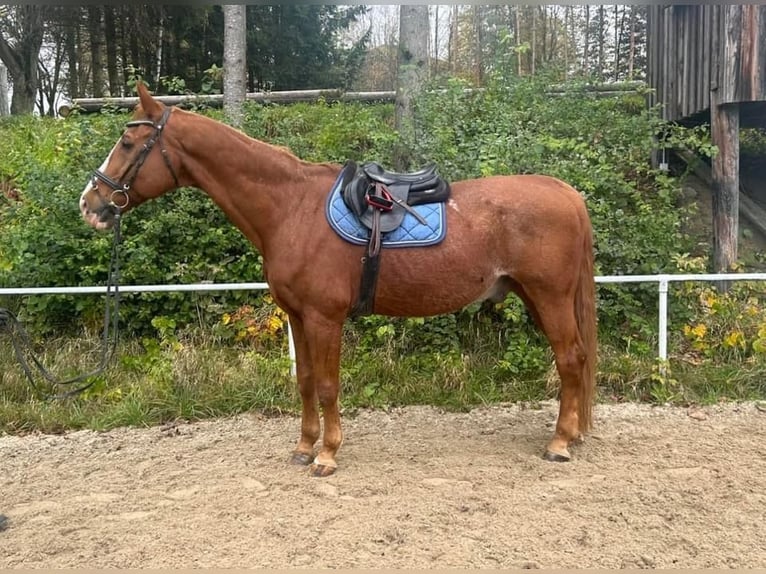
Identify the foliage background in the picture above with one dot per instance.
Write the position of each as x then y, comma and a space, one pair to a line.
600, 145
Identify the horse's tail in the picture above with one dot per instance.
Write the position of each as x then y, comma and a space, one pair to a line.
585, 313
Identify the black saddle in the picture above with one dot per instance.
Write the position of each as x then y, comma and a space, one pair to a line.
369, 189
424, 178
381, 199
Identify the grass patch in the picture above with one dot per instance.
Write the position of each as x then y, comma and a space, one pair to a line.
195, 377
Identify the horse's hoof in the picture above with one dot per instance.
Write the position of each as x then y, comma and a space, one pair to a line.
556, 457
321, 470
301, 459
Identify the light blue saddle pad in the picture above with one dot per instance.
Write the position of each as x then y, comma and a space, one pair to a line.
411, 233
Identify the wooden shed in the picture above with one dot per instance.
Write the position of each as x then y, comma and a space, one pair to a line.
707, 63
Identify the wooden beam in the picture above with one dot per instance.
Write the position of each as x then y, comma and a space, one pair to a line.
216, 100
333, 95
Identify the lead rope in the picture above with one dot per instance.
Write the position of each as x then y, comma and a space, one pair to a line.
22, 344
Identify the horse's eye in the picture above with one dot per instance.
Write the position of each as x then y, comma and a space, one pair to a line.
126, 143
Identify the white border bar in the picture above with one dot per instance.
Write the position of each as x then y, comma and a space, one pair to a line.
662, 280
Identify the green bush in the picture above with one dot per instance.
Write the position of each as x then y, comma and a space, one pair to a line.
601, 146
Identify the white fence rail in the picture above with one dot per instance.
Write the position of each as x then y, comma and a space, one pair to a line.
663, 281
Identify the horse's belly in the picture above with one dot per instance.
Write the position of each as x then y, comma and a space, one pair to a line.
423, 282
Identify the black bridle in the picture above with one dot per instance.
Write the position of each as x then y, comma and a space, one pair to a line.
132, 171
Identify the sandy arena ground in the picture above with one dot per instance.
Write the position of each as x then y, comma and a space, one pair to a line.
650, 488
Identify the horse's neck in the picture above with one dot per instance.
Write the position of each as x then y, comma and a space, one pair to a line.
257, 185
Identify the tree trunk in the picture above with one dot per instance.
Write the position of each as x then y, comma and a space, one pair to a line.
586, 52
70, 47
22, 58
552, 26
517, 10
453, 39
234, 62
158, 52
567, 15
4, 110
533, 51
632, 52
435, 63
135, 52
95, 31
110, 33
124, 45
412, 72
619, 24
49, 77
543, 34
477, 44
601, 41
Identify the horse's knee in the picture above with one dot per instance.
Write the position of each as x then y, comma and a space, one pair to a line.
327, 392
306, 387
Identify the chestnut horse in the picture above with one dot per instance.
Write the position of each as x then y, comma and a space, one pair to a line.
529, 234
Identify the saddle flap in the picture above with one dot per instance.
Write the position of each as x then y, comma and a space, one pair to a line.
389, 220
354, 188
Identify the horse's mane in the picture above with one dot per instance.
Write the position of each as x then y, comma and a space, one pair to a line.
282, 150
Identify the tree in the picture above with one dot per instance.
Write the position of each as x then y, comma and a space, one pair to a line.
21, 37
380, 26
4, 111
110, 37
96, 34
49, 76
297, 46
412, 70
234, 62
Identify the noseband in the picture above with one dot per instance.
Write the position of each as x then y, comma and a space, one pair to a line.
132, 170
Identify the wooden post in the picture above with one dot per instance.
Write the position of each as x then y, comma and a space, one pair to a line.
725, 135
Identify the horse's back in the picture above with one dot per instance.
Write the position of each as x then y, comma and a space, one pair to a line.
524, 228
517, 209
516, 192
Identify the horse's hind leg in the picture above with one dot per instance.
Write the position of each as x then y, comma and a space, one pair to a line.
556, 317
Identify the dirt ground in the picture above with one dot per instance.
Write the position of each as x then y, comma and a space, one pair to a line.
417, 488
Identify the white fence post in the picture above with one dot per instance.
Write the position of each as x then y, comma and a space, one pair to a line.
291, 348
663, 320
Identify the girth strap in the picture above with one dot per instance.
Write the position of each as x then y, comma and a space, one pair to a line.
370, 267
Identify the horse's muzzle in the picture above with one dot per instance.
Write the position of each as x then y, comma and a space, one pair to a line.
101, 219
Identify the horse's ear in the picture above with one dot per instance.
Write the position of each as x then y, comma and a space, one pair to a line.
150, 106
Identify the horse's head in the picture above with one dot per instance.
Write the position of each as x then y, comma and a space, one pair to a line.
137, 169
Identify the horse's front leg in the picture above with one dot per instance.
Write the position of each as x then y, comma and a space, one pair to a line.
323, 342
304, 451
